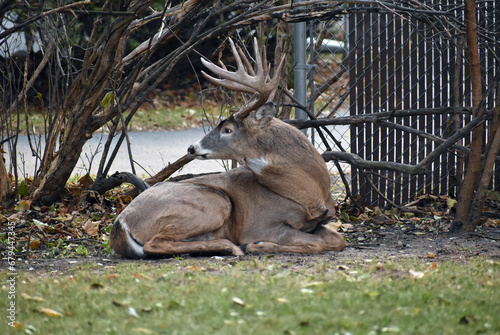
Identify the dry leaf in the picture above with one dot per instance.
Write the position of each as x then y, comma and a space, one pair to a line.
132, 312
238, 301
91, 227
23, 205
335, 226
26, 296
364, 217
18, 325
35, 244
282, 300
380, 219
50, 312
450, 202
416, 274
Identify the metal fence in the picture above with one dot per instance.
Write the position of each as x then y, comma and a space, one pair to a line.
369, 62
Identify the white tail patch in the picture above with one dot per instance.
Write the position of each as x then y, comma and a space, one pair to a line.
136, 248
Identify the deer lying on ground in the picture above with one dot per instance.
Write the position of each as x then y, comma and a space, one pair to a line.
278, 201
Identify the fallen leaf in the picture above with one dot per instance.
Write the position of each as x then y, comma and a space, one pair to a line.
238, 301
282, 300
466, 319
416, 274
391, 329
364, 217
91, 227
335, 226
120, 303
34, 244
132, 312
23, 205
314, 283
431, 255
50, 312
450, 202
18, 325
26, 296
379, 219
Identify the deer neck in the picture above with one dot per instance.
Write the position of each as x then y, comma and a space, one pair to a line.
294, 170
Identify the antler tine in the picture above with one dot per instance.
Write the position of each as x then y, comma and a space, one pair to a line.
230, 80
248, 66
246, 79
276, 79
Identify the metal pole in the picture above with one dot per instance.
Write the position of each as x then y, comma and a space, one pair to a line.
300, 68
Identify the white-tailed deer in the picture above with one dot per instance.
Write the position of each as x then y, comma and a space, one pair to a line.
278, 201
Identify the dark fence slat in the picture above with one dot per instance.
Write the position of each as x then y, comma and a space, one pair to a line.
398, 63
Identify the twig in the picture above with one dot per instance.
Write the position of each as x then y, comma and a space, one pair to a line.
485, 236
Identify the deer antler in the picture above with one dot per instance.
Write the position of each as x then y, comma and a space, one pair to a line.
246, 79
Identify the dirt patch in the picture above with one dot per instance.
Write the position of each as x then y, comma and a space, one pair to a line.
384, 243
49, 240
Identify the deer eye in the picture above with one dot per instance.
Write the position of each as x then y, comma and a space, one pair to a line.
227, 130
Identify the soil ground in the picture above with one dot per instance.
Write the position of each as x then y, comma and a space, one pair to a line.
382, 244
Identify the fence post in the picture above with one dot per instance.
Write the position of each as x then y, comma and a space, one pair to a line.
300, 68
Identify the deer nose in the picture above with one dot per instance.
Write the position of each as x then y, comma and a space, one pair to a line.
191, 150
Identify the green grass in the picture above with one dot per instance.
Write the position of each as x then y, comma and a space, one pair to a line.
260, 296
143, 120
166, 119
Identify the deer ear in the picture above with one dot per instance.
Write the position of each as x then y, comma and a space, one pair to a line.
265, 114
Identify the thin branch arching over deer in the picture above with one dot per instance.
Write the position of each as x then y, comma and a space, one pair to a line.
278, 201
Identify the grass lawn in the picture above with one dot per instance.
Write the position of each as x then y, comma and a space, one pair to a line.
258, 295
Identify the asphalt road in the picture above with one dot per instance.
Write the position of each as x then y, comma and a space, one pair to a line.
152, 150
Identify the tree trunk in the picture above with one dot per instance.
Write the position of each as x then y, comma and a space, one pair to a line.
484, 182
4, 179
101, 65
474, 161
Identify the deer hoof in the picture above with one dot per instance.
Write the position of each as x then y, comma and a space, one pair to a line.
245, 246
237, 251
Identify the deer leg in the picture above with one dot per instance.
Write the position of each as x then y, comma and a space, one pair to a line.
288, 240
334, 241
161, 246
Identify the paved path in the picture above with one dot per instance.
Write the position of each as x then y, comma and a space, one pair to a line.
152, 150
